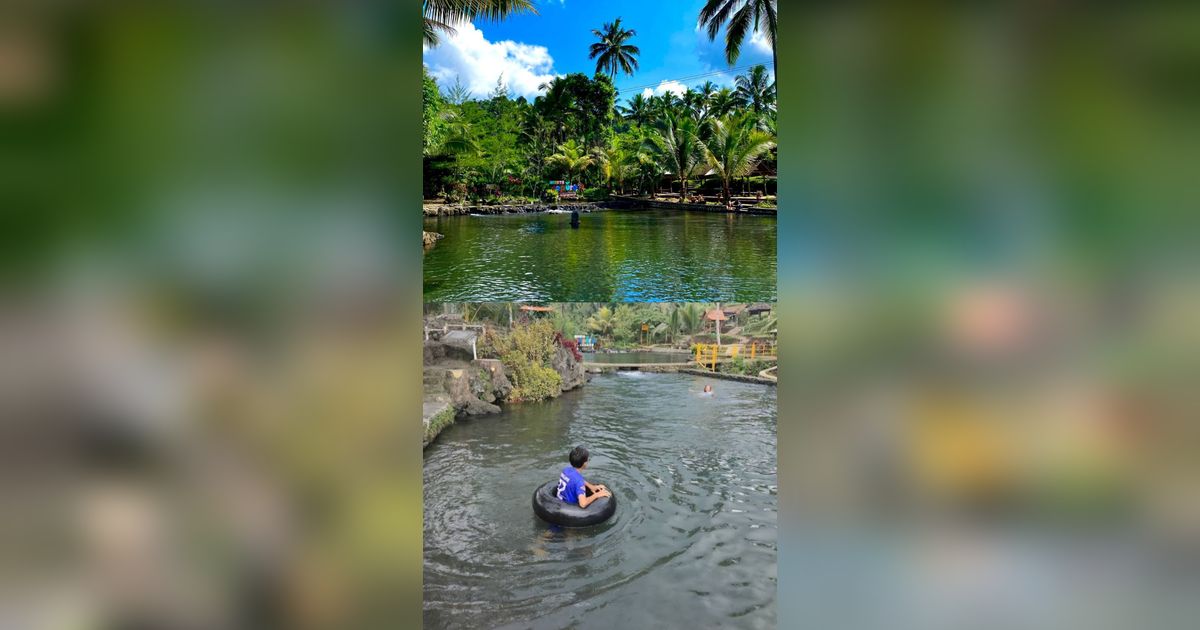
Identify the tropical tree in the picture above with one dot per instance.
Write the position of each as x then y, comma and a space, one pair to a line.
740, 18
674, 321
678, 145
611, 52
572, 158
734, 148
756, 90
601, 322
723, 102
440, 15
638, 110
458, 93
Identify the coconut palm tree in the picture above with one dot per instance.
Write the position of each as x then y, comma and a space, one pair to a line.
742, 17
734, 148
571, 158
614, 54
694, 102
638, 110
678, 144
440, 15
601, 323
723, 102
756, 90
674, 320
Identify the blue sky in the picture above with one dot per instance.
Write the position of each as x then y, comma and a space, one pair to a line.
531, 49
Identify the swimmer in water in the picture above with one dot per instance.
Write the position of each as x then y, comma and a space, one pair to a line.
708, 391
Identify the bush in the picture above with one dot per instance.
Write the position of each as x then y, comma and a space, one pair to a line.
526, 353
551, 195
595, 194
739, 365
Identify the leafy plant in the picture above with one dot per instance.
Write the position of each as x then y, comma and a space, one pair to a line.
526, 352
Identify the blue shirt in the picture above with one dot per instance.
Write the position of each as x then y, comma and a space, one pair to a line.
570, 485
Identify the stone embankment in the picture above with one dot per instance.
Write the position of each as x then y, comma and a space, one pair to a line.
643, 202
434, 210
744, 378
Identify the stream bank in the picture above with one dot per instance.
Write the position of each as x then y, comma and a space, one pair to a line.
456, 383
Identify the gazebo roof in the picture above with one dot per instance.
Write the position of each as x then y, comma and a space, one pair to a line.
716, 315
758, 307
538, 309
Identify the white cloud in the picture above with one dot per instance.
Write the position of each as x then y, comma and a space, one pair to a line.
759, 42
478, 63
664, 87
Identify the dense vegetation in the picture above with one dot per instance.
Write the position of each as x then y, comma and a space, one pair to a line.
617, 324
526, 352
499, 148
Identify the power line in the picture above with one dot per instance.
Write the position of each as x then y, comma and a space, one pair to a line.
695, 76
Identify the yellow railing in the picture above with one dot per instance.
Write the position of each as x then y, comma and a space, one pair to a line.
707, 353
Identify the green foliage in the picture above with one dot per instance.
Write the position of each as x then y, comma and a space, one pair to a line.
596, 194
740, 18
439, 15
431, 107
734, 147
526, 352
487, 148
741, 365
551, 195
614, 54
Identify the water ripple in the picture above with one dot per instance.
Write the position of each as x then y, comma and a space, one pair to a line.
695, 479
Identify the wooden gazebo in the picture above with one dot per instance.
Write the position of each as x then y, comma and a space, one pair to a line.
716, 316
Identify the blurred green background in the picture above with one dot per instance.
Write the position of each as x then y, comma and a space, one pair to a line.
989, 223
211, 309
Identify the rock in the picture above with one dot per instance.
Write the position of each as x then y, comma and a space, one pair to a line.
572, 372
429, 238
491, 380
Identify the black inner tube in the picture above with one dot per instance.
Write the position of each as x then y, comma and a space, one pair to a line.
551, 509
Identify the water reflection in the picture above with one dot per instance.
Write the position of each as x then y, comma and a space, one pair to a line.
631, 256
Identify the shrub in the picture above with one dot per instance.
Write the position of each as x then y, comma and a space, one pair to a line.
739, 365
526, 353
551, 194
595, 194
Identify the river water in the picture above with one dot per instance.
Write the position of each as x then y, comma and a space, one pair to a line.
614, 255
693, 542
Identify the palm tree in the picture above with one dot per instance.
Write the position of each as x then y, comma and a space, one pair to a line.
742, 16
602, 322
734, 148
440, 15
602, 159
679, 145
694, 103
614, 54
756, 89
722, 102
571, 158
638, 110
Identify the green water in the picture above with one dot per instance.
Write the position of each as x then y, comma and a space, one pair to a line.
614, 255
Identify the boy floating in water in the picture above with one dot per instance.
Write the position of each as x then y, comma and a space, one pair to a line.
572, 487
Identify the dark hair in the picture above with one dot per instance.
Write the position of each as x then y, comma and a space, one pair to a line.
578, 456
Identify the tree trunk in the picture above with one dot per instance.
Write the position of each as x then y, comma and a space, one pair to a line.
725, 182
